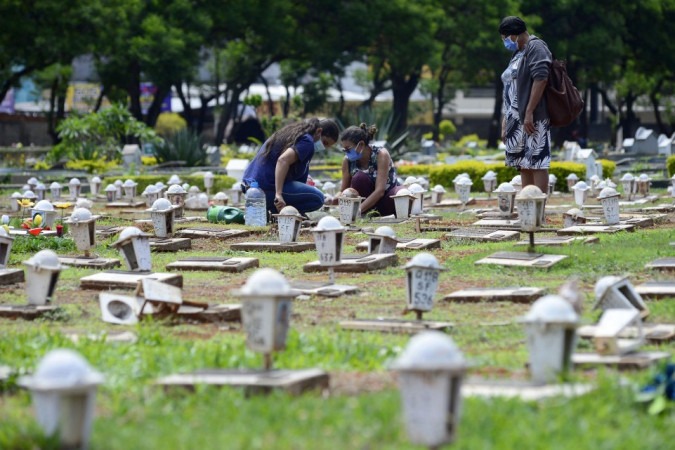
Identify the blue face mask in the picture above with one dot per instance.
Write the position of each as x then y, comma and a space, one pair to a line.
510, 45
352, 154
318, 146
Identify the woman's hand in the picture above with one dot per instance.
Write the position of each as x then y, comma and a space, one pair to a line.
529, 123
279, 202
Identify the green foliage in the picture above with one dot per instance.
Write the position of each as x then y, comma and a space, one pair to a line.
670, 165
99, 135
99, 166
608, 168
561, 169
445, 174
447, 128
182, 146
220, 182
169, 123
33, 244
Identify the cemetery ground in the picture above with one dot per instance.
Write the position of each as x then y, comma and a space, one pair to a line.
361, 410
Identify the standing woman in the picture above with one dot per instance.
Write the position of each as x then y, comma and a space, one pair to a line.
368, 169
281, 165
525, 125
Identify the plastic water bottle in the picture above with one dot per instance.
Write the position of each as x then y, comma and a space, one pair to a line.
256, 206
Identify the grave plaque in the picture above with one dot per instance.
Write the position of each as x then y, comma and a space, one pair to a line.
555, 241
408, 244
524, 390
536, 260
394, 326
291, 247
209, 233
26, 312
598, 229
639, 360
356, 265
323, 289
11, 276
484, 234
90, 263
504, 224
653, 332
126, 280
656, 289
512, 294
170, 244
218, 264
662, 264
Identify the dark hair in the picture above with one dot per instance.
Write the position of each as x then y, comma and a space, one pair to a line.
361, 133
288, 136
512, 25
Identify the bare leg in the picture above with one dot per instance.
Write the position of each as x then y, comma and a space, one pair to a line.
538, 177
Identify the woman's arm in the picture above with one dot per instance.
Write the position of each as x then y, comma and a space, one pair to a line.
346, 176
287, 158
538, 87
383, 161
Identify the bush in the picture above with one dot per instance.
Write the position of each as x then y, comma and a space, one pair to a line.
100, 165
670, 164
220, 182
446, 127
562, 169
182, 146
169, 124
608, 168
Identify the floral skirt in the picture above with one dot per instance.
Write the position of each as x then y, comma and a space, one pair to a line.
525, 151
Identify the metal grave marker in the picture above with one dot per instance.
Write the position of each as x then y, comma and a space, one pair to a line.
511, 294
218, 264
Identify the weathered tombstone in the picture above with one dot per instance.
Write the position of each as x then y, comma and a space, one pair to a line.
430, 372
511, 294
463, 187
580, 193
74, 187
134, 246
418, 204
382, 241
329, 188
63, 388
506, 195
95, 185
208, 182
403, 201
288, 224
55, 190
422, 273
550, 327
176, 195
609, 198
220, 199
236, 194
349, 206
517, 183
131, 157
328, 238
643, 183
573, 217
161, 214
571, 179
42, 274
151, 194
552, 180
613, 322
489, 182
45, 210
530, 202
14, 202
130, 190
110, 193
437, 194
612, 292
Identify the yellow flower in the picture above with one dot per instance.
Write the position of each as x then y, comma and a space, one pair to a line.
25, 203
63, 205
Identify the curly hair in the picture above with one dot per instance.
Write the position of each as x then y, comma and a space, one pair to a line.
289, 135
356, 134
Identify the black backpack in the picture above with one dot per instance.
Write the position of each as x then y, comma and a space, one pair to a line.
563, 100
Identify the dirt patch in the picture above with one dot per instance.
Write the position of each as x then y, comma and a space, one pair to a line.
355, 383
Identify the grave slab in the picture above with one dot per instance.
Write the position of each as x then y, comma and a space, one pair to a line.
497, 215
170, 244
109, 337
426, 217
323, 289
394, 325
557, 241
452, 203
484, 234
522, 259
357, 264
185, 219
106, 232
590, 229
407, 244
126, 280
210, 233
291, 247
512, 294
90, 263
214, 313
655, 333
665, 208
504, 224
11, 276
388, 220
438, 226
125, 205
294, 382
656, 289
523, 390
26, 312
217, 264
631, 361
661, 264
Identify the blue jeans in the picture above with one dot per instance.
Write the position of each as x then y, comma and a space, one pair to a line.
303, 197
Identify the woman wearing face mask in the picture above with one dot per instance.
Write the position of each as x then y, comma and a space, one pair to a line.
368, 169
281, 165
525, 124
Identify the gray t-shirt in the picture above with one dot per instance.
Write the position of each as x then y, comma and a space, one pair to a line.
535, 65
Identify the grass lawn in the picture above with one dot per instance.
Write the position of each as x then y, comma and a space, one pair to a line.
362, 408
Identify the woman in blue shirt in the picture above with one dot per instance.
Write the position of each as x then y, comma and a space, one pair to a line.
281, 165
368, 169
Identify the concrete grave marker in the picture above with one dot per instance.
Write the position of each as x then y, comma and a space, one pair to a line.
524, 390
654, 333
430, 374
120, 309
82, 226
550, 328
608, 339
656, 289
354, 265
126, 280
349, 206
632, 361
289, 221
662, 264
403, 201
556, 241
407, 244
536, 260
7, 276
512, 294
614, 292
503, 224
219, 264
394, 326
176, 195
211, 233
484, 234
134, 246
594, 229
170, 244
323, 289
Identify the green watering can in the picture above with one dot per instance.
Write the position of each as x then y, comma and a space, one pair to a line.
227, 214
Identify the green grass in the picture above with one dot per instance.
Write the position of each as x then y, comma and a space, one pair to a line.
132, 413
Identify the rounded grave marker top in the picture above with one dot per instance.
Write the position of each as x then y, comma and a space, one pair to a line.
44, 205
45, 259
430, 350
267, 282
605, 283
426, 260
506, 187
161, 204
63, 368
530, 192
607, 193
580, 186
329, 223
176, 189
552, 308
80, 214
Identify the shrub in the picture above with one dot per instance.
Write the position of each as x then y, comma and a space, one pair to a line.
100, 165
169, 124
182, 146
220, 182
561, 169
446, 127
608, 168
670, 164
